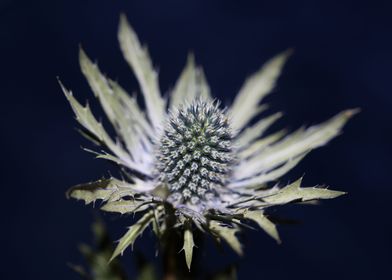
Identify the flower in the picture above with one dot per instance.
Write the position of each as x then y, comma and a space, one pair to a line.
188, 158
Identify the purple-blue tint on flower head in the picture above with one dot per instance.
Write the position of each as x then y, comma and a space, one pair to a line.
196, 154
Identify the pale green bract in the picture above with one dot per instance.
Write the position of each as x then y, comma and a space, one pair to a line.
259, 159
188, 245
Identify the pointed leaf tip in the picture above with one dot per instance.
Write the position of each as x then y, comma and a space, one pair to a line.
133, 232
188, 246
294, 192
228, 234
191, 58
139, 60
264, 223
352, 112
247, 102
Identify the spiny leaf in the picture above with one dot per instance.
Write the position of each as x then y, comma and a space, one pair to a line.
90, 192
190, 85
246, 104
294, 192
131, 106
158, 227
138, 58
185, 88
86, 118
264, 223
133, 232
261, 144
293, 145
256, 130
270, 175
228, 234
188, 246
122, 111
104, 155
104, 189
124, 206
204, 88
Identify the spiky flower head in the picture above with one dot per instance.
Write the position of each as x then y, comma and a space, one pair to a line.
189, 159
196, 155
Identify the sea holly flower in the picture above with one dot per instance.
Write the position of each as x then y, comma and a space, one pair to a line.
187, 162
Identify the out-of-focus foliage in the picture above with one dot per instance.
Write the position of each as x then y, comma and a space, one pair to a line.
97, 256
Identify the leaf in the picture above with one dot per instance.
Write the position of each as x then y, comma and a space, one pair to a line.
109, 157
261, 144
131, 105
90, 192
294, 192
204, 88
85, 117
124, 206
190, 85
121, 109
188, 246
228, 234
105, 189
263, 222
246, 104
99, 85
255, 131
293, 145
269, 176
158, 227
139, 60
133, 232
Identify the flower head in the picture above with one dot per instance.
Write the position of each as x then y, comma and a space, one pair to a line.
190, 159
196, 155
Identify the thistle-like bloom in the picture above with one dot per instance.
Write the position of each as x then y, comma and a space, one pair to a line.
189, 159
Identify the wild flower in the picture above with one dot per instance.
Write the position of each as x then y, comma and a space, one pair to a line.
187, 162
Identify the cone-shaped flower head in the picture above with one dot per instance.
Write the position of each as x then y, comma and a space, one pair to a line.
196, 156
189, 159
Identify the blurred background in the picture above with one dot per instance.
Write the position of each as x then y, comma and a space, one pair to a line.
342, 59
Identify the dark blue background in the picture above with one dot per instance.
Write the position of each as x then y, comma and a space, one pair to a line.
342, 59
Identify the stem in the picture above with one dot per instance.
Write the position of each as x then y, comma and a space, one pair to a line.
171, 246
172, 240
171, 257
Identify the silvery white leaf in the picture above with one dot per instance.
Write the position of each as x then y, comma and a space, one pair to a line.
188, 246
246, 104
228, 234
125, 206
264, 223
190, 85
294, 192
133, 232
293, 145
140, 62
85, 117
105, 190
128, 123
255, 131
